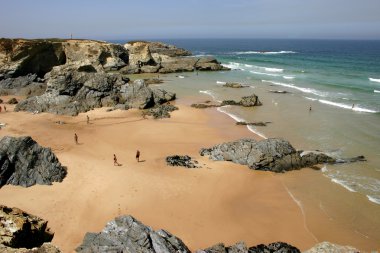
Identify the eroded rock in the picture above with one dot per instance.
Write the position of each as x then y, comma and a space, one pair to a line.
183, 161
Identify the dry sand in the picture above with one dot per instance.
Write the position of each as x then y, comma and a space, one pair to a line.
220, 202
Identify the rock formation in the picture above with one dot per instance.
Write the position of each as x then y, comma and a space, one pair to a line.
247, 101
152, 57
161, 111
23, 162
272, 154
260, 123
183, 161
331, 248
235, 85
276, 247
29, 85
126, 234
19, 229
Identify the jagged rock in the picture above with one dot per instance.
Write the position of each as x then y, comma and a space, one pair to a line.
12, 101
247, 101
331, 248
234, 85
23, 162
29, 85
272, 154
183, 161
45, 248
277, 247
19, 229
260, 123
161, 96
203, 106
126, 234
161, 111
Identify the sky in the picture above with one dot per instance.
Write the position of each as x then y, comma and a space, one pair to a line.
169, 19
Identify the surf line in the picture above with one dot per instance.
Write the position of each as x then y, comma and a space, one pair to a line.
299, 204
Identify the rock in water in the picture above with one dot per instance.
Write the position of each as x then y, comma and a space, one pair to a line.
179, 160
126, 234
272, 154
235, 85
19, 229
23, 162
247, 101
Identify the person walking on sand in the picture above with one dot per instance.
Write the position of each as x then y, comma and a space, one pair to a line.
115, 163
88, 119
76, 138
138, 156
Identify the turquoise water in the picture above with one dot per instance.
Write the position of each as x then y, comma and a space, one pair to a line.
339, 80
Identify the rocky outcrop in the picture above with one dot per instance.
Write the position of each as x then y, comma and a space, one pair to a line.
247, 101
183, 161
152, 57
235, 85
203, 106
72, 91
276, 247
20, 57
126, 234
161, 111
331, 248
29, 85
272, 154
260, 123
45, 248
279, 91
23, 162
19, 229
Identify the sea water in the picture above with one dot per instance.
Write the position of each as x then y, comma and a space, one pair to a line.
338, 80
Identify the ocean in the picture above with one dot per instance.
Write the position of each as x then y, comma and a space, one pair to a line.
338, 80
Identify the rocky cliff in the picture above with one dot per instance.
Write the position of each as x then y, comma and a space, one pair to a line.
272, 154
23, 162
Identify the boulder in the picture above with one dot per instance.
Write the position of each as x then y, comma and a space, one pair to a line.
23, 162
183, 161
331, 248
235, 85
272, 154
45, 248
12, 101
29, 85
247, 101
19, 229
260, 123
276, 247
126, 234
161, 111
203, 106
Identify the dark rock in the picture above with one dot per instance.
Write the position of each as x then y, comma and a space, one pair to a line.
203, 106
23, 85
234, 85
23, 162
272, 154
184, 161
19, 229
12, 101
331, 248
260, 123
126, 234
161, 111
149, 81
279, 91
247, 101
1, 101
45, 248
161, 96
276, 247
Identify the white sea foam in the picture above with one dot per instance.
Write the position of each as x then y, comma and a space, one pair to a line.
289, 77
373, 199
210, 93
312, 99
324, 169
248, 65
260, 73
376, 91
374, 80
181, 77
306, 90
274, 70
344, 106
342, 183
238, 119
266, 52
233, 65
220, 82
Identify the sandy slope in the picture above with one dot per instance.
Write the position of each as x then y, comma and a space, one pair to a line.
221, 202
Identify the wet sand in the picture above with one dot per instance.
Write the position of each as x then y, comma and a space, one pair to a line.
220, 202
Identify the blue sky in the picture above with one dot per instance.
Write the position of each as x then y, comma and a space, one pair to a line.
143, 19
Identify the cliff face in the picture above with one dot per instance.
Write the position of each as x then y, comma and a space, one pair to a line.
19, 57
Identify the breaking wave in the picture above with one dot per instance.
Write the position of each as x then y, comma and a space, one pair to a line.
266, 52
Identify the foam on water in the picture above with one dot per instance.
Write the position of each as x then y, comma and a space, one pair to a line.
181, 77
260, 73
349, 107
233, 65
343, 183
238, 119
376, 91
274, 70
210, 93
266, 52
312, 99
373, 199
374, 80
220, 82
289, 77
292, 86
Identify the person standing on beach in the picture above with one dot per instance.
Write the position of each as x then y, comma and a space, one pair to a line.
76, 138
138, 156
115, 163
5, 108
310, 109
88, 119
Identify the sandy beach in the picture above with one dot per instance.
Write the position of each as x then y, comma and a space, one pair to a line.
220, 202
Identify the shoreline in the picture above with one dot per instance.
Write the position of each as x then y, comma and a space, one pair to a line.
241, 204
